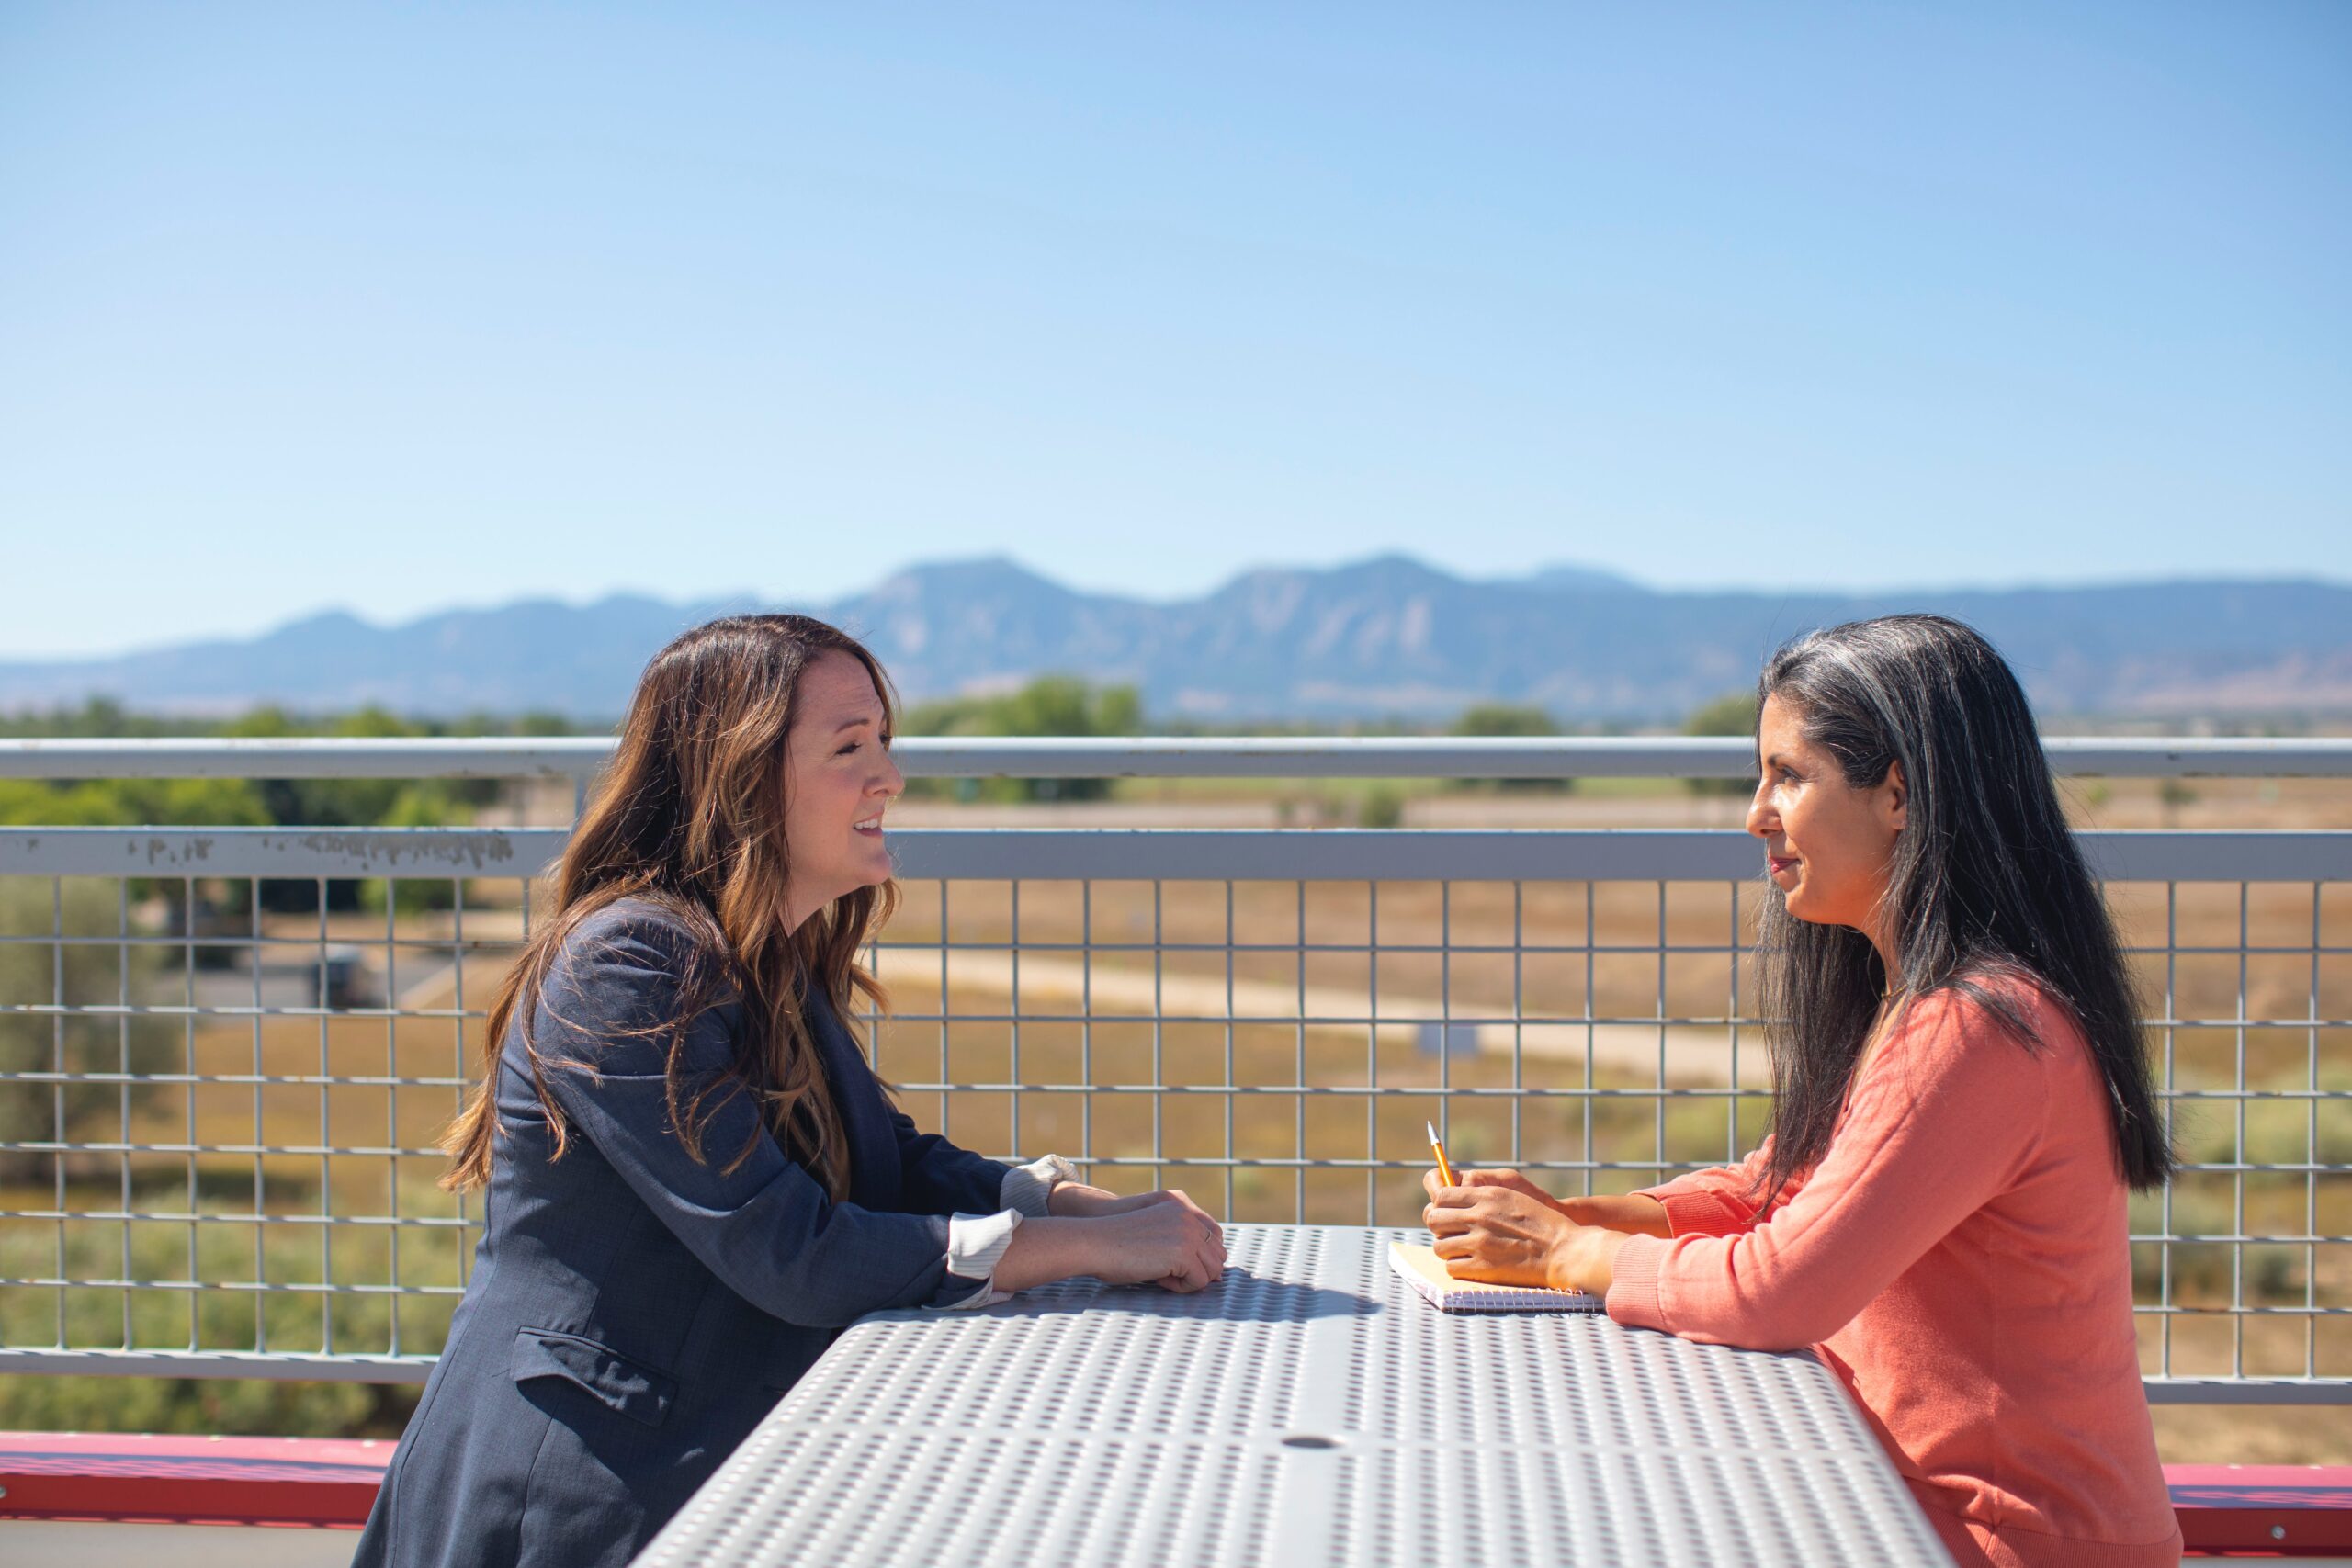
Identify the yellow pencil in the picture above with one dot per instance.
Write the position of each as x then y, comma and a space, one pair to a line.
1444, 1170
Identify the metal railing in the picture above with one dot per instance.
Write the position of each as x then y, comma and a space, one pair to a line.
1125, 757
225, 1054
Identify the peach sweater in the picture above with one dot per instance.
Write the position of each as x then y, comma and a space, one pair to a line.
1958, 1257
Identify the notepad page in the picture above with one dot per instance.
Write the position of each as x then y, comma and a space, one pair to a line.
1425, 1271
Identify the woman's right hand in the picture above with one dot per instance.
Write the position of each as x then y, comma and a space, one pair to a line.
1630, 1212
1510, 1179
1172, 1243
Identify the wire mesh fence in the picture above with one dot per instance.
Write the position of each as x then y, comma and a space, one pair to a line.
225, 1057
221, 1108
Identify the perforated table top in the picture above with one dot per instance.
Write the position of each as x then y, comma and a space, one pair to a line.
1309, 1410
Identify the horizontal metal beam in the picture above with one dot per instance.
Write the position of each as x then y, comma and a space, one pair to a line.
1393, 757
996, 854
2192, 757
1531, 855
279, 1366
438, 852
2267, 856
305, 758
1324, 855
2248, 1391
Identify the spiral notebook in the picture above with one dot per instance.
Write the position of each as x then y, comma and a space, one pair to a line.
1423, 1270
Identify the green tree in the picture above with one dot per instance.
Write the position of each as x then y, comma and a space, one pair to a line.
362, 803
230, 803
75, 974
97, 718
131, 803
1048, 705
1505, 719
1731, 714
538, 723
1381, 806
420, 803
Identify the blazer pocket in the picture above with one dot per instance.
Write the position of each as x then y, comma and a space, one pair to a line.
643, 1394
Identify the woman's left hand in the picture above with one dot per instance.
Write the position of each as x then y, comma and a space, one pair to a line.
1505, 1237
1077, 1200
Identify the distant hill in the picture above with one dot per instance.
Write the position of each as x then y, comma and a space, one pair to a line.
1385, 636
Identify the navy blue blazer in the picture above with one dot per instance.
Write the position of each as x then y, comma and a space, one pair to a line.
633, 1312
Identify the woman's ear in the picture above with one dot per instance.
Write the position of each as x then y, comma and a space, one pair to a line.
1896, 798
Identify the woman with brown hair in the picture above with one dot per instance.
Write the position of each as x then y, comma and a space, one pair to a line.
694, 1179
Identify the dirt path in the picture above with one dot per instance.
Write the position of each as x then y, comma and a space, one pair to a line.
1691, 1055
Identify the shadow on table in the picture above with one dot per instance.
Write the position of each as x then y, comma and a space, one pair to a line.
1239, 1297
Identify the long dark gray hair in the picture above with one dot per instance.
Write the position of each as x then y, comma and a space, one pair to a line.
1986, 881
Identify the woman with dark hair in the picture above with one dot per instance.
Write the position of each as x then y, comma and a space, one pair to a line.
693, 1180
1962, 1105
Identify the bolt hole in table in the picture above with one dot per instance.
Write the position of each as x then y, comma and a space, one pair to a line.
1309, 1410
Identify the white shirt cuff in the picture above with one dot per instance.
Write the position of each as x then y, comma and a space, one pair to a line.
1026, 1189
976, 1244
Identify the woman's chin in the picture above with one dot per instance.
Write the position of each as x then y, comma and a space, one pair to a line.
1811, 911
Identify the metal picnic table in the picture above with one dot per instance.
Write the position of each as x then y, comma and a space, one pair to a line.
1309, 1410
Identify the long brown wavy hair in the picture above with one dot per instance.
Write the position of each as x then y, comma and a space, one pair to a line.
690, 814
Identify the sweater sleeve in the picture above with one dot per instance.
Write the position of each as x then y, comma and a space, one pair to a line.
1721, 1202
1946, 1115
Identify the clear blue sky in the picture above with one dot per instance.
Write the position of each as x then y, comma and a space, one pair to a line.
399, 308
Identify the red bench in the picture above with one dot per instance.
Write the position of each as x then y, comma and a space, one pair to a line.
310, 1481
2279, 1510
2283, 1510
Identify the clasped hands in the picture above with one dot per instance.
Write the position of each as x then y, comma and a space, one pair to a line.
1500, 1227
1160, 1238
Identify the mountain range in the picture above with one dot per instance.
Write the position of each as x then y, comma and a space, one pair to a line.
1390, 636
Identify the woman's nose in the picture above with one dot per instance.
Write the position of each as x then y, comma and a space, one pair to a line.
892, 782
1761, 818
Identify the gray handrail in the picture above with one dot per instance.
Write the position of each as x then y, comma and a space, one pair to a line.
1175, 854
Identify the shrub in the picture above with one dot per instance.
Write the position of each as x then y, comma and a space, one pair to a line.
77, 974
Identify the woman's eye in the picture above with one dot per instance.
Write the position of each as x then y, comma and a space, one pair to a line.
846, 750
